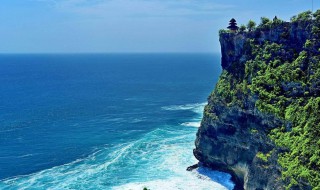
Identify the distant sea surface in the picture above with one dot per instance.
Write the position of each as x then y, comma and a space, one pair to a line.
104, 121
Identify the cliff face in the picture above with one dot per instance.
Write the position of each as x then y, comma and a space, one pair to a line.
249, 115
232, 141
235, 52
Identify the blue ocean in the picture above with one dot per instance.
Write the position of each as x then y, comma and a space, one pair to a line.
104, 121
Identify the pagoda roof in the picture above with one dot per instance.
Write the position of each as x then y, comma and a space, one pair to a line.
233, 20
233, 27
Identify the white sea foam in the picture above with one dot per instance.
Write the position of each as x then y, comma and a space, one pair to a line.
158, 160
198, 107
191, 124
183, 183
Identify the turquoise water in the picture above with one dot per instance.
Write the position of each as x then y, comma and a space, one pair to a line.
104, 121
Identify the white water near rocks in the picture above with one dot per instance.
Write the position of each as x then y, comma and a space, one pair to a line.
158, 160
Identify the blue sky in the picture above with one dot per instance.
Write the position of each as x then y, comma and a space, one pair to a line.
76, 26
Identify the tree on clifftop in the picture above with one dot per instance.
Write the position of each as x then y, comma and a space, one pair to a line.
251, 25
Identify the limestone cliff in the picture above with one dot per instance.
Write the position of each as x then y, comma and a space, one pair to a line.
251, 123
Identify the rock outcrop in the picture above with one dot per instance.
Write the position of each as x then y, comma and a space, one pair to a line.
235, 52
234, 136
231, 143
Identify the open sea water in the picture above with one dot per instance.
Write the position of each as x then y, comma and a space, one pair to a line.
104, 121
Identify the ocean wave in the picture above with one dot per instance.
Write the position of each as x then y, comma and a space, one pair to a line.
183, 183
197, 107
192, 124
157, 160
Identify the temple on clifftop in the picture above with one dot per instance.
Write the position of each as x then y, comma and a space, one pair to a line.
233, 25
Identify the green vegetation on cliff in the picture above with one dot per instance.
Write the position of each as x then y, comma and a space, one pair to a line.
285, 80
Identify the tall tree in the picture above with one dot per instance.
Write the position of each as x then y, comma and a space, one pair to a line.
251, 25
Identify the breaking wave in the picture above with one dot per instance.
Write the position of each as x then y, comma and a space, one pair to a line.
157, 160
